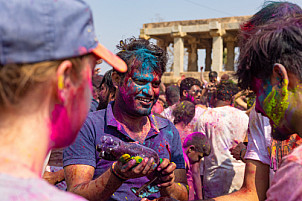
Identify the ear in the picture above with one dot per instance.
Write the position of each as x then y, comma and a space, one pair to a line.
184, 93
111, 97
279, 76
63, 80
116, 79
191, 148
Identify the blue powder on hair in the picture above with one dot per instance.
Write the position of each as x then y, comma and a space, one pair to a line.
146, 57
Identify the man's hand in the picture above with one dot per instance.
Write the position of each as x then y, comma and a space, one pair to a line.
238, 151
167, 175
131, 169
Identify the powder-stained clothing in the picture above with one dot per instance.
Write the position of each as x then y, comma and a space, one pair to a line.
94, 105
261, 147
102, 122
18, 189
259, 139
167, 113
286, 184
222, 173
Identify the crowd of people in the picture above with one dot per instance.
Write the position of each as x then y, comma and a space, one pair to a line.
220, 139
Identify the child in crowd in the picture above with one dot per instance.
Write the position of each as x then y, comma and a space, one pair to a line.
195, 147
183, 114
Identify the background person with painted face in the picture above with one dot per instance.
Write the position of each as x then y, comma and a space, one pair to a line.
107, 90
274, 73
129, 118
210, 89
190, 90
45, 88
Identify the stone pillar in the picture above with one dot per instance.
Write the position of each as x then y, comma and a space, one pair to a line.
217, 54
230, 45
193, 56
178, 55
208, 59
179, 50
162, 44
217, 45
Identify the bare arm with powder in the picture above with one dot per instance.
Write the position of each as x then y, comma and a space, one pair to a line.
255, 184
174, 183
54, 177
197, 180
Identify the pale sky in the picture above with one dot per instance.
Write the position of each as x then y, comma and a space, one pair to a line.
120, 19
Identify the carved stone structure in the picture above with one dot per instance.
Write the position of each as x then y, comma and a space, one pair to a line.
213, 35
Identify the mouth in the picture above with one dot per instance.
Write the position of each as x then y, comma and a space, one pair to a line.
145, 100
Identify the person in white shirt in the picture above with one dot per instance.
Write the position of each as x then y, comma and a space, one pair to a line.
223, 125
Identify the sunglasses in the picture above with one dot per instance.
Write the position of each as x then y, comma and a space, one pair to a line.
196, 91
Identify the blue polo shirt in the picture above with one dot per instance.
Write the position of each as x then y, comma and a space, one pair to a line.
102, 122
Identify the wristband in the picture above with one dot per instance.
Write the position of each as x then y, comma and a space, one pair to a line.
114, 172
241, 153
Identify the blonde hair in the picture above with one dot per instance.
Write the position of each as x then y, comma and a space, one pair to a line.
17, 80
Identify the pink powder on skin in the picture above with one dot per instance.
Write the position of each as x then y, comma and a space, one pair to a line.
60, 127
67, 120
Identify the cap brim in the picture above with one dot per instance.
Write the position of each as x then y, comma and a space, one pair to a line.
103, 53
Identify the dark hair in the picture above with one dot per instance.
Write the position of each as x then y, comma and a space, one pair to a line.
213, 74
172, 94
107, 80
184, 112
136, 52
271, 11
187, 83
276, 42
200, 141
96, 80
226, 90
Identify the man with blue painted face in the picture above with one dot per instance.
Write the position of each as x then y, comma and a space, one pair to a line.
129, 118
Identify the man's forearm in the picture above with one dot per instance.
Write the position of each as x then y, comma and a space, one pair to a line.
240, 195
197, 184
178, 191
99, 189
255, 185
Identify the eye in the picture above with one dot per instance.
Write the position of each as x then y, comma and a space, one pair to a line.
140, 82
156, 84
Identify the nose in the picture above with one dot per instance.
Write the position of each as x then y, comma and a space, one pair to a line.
147, 90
